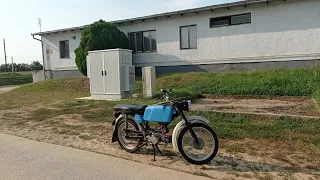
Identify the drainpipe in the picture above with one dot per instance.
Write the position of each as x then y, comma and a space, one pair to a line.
44, 72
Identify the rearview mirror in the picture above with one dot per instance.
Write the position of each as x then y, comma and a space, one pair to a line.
163, 90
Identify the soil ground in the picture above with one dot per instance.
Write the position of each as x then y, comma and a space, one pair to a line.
236, 159
290, 106
4, 89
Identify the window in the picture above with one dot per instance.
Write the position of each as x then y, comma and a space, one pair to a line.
64, 49
230, 20
144, 41
188, 37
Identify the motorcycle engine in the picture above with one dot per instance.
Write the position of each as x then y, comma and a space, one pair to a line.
159, 135
155, 138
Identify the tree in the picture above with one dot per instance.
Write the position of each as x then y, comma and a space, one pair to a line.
35, 65
99, 36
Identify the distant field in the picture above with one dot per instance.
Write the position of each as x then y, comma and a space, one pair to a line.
15, 78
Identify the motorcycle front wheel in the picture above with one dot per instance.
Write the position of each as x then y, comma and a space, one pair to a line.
202, 150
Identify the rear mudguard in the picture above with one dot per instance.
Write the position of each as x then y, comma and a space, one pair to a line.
181, 125
115, 130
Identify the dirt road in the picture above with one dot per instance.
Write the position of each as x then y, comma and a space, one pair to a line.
7, 89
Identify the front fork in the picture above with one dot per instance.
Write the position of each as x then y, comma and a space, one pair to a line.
193, 134
182, 124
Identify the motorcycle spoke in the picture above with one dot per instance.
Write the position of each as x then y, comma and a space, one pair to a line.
203, 148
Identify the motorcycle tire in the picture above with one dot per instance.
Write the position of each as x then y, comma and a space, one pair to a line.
193, 160
121, 142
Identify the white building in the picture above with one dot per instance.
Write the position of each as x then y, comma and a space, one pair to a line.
252, 34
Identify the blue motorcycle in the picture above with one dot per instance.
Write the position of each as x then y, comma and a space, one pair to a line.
192, 136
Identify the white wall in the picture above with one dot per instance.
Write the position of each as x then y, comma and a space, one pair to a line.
280, 31
51, 42
283, 31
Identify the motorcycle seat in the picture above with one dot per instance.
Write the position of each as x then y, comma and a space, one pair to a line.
130, 108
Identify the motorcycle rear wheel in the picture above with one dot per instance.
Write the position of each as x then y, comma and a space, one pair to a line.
128, 144
203, 151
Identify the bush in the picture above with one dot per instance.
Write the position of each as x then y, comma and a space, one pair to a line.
99, 36
15, 78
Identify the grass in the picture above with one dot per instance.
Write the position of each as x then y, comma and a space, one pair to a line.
236, 126
15, 78
282, 82
60, 95
227, 126
45, 92
316, 96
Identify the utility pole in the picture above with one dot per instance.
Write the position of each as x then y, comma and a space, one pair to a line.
39, 23
12, 63
5, 54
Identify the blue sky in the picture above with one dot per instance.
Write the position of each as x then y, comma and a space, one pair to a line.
19, 18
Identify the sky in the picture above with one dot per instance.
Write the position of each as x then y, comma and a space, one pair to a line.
19, 18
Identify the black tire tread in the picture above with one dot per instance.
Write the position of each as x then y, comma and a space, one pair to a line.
184, 130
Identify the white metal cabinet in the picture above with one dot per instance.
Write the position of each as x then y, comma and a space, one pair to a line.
110, 72
96, 74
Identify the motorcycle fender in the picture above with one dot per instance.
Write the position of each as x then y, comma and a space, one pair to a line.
115, 132
181, 125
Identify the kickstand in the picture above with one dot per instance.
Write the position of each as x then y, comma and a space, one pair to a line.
158, 149
154, 153
154, 147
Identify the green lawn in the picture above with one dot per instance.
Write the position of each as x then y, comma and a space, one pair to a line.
283, 82
45, 92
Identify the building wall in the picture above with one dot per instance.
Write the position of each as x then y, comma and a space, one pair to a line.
52, 52
279, 31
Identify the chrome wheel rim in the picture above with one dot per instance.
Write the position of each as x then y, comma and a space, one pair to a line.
126, 142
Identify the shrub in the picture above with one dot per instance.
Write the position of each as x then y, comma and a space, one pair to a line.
15, 78
99, 36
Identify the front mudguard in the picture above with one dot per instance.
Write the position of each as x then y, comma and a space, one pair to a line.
181, 125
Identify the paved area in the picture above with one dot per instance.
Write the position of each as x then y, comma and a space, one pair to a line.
7, 89
26, 159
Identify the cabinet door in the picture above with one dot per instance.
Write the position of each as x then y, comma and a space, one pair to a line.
111, 79
96, 74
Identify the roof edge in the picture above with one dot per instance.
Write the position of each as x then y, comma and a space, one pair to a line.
180, 12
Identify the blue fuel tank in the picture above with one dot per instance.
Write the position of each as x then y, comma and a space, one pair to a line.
158, 113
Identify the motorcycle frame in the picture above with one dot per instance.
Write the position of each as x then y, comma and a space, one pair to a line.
185, 122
